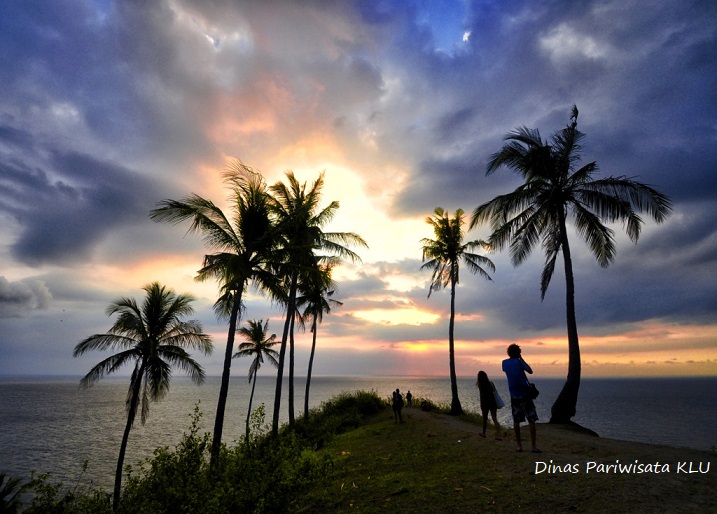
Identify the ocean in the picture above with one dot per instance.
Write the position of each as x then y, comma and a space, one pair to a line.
48, 424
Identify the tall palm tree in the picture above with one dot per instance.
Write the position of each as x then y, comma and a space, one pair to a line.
259, 346
443, 255
554, 190
300, 222
154, 338
244, 247
315, 297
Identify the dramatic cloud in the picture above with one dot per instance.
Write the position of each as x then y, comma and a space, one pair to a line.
17, 299
109, 107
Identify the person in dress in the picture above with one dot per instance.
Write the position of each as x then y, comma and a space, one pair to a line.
488, 404
521, 405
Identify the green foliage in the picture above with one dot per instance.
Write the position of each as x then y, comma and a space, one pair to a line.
336, 416
10, 489
430, 405
54, 498
262, 473
173, 480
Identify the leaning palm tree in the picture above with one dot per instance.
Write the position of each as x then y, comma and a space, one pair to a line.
299, 222
154, 338
244, 247
316, 291
259, 346
10, 490
554, 190
443, 255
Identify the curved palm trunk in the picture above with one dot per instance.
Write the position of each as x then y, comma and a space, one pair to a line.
248, 413
308, 373
291, 372
565, 405
456, 408
224, 388
282, 355
131, 414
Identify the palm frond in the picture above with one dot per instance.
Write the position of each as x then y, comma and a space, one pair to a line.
107, 367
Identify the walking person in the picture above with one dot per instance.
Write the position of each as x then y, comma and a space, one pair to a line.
522, 405
488, 403
409, 399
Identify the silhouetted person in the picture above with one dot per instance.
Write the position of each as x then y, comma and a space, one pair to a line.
397, 405
409, 399
488, 404
521, 405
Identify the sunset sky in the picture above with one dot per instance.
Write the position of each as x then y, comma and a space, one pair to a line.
108, 107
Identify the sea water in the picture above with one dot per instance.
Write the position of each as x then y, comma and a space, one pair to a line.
51, 425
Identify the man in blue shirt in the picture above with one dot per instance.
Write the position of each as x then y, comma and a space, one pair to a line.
521, 405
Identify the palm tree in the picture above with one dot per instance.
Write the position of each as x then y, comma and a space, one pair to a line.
154, 337
300, 222
259, 346
443, 255
244, 247
315, 296
10, 490
553, 190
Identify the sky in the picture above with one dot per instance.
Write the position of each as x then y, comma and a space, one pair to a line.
107, 108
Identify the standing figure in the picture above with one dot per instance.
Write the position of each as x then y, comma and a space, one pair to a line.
409, 399
486, 390
397, 405
521, 405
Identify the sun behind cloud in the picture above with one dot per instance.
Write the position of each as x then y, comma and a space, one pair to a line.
402, 316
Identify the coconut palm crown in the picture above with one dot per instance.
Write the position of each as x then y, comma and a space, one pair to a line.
154, 338
554, 190
244, 249
443, 255
256, 344
300, 221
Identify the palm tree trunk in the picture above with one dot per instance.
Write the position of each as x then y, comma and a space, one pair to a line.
224, 388
248, 413
456, 408
565, 405
308, 373
291, 372
282, 355
131, 414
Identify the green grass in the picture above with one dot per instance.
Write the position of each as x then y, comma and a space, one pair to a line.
350, 456
437, 463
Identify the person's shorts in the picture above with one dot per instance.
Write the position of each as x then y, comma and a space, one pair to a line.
523, 408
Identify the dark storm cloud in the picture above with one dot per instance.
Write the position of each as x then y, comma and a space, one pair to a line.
108, 107
17, 299
526, 65
563, 54
62, 218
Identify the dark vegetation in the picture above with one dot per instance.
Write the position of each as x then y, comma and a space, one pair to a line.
350, 456
262, 473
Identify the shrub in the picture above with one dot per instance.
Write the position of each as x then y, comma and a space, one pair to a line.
335, 416
262, 473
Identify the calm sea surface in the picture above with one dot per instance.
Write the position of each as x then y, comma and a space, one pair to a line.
49, 425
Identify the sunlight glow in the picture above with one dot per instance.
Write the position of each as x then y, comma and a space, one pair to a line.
402, 316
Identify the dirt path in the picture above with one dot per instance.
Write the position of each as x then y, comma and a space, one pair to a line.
658, 478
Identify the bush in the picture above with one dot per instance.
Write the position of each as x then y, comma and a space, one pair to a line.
341, 413
262, 473
49, 498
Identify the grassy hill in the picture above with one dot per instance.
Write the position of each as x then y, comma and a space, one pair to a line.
438, 463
